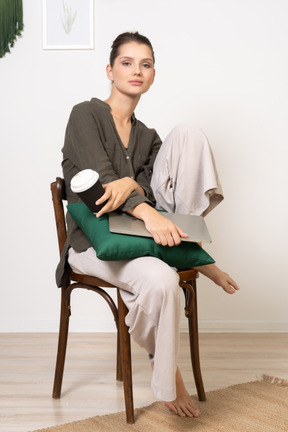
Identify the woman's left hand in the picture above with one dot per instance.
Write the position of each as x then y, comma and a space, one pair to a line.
116, 193
162, 229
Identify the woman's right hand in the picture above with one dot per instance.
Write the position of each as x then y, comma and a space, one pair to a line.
116, 193
163, 231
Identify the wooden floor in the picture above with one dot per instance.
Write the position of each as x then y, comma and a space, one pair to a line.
27, 368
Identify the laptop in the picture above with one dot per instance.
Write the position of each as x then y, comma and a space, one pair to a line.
194, 226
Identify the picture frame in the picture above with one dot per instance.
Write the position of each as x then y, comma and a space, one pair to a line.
68, 24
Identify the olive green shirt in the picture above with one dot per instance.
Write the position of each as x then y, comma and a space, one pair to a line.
92, 141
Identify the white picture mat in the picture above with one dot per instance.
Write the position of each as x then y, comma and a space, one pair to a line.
57, 14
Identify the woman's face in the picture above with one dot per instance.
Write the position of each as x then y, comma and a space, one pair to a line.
133, 70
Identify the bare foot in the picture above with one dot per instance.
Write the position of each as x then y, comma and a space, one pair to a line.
183, 404
219, 277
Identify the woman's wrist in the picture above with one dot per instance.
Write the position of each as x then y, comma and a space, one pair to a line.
142, 211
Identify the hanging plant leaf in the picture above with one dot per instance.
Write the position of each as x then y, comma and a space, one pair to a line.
11, 24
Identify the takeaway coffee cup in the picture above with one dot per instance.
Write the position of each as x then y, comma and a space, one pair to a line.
87, 186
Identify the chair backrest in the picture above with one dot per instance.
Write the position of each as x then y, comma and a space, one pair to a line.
58, 195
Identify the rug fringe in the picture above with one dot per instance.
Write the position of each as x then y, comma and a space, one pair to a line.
281, 382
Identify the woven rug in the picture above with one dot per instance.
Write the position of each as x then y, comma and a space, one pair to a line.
258, 406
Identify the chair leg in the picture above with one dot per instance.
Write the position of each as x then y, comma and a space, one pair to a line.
191, 313
119, 374
62, 343
125, 347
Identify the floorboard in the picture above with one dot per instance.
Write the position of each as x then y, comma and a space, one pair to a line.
27, 364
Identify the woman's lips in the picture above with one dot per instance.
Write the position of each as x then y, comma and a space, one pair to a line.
136, 82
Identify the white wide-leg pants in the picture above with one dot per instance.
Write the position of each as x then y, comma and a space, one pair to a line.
184, 180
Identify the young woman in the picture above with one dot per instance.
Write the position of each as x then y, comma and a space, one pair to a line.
137, 172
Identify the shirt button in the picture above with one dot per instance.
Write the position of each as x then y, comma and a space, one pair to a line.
127, 157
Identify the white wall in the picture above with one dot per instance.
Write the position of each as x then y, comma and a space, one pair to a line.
221, 65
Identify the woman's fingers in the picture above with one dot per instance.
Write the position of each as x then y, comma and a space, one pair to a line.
112, 204
115, 195
167, 234
103, 198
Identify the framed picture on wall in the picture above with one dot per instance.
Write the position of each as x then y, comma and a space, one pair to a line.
68, 24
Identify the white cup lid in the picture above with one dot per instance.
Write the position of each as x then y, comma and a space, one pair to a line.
84, 180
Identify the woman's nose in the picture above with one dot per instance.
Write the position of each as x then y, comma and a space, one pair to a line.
136, 70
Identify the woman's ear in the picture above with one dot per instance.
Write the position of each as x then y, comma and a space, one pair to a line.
109, 72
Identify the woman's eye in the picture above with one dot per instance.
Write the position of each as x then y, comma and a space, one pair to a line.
126, 63
146, 65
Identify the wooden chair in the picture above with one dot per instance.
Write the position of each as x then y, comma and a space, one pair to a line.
123, 361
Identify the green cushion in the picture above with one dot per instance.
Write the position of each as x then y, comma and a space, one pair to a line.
114, 247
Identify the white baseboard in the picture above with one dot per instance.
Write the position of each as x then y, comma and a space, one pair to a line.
108, 326
93, 326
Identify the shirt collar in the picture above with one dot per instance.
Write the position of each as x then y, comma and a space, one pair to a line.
107, 107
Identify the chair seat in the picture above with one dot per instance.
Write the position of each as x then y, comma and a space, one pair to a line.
184, 274
89, 280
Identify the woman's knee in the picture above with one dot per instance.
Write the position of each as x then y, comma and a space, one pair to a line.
164, 283
186, 134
